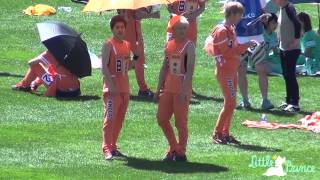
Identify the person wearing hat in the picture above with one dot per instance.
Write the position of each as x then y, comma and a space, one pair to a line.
175, 88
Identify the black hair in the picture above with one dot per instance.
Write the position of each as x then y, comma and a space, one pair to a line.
116, 19
273, 17
304, 18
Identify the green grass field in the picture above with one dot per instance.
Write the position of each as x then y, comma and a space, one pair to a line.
45, 138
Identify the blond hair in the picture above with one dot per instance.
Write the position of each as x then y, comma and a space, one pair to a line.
232, 7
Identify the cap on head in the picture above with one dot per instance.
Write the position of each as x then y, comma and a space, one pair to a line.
176, 19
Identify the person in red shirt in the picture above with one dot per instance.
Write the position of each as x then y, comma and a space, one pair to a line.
175, 80
223, 46
190, 9
116, 61
46, 70
134, 36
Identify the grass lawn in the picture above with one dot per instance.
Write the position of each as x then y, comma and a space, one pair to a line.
45, 138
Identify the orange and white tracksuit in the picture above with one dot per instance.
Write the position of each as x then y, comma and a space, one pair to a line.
184, 6
135, 38
115, 107
52, 74
226, 51
169, 104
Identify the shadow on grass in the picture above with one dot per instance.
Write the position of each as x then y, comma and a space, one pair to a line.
197, 96
150, 99
256, 148
7, 74
173, 167
81, 98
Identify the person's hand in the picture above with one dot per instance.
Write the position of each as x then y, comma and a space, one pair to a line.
264, 17
112, 90
252, 44
182, 97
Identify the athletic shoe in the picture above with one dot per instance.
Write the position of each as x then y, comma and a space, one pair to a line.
232, 140
169, 157
245, 104
218, 139
147, 93
108, 156
182, 158
283, 105
292, 108
21, 88
266, 104
117, 153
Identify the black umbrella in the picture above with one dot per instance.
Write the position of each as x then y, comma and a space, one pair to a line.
66, 46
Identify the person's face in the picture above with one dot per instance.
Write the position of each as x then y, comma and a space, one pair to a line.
235, 18
272, 26
119, 30
180, 30
277, 2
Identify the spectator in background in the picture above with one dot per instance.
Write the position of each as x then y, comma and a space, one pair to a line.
289, 34
134, 36
310, 44
253, 10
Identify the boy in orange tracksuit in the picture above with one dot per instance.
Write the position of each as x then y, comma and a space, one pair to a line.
134, 36
190, 9
176, 80
45, 69
226, 51
115, 65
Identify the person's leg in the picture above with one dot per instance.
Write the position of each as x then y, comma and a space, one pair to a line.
111, 106
228, 88
243, 83
293, 86
181, 123
117, 125
139, 69
165, 111
263, 70
284, 66
30, 76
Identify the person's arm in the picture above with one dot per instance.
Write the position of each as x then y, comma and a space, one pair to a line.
221, 41
106, 49
162, 77
198, 12
190, 68
34, 61
143, 14
292, 14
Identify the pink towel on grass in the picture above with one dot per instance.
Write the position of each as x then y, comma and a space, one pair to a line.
309, 122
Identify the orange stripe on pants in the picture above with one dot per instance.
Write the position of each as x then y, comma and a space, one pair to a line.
169, 104
228, 85
115, 108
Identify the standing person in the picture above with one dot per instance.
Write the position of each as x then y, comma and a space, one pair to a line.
190, 9
226, 50
253, 10
134, 36
289, 35
115, 65
45, 69
175, 79
310, 43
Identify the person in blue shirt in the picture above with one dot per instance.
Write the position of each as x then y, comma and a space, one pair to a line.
253, 9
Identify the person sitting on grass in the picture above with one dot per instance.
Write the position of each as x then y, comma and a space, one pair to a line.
310, 43
226, 50
46, 70
175, 79
272, 59
116, 62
